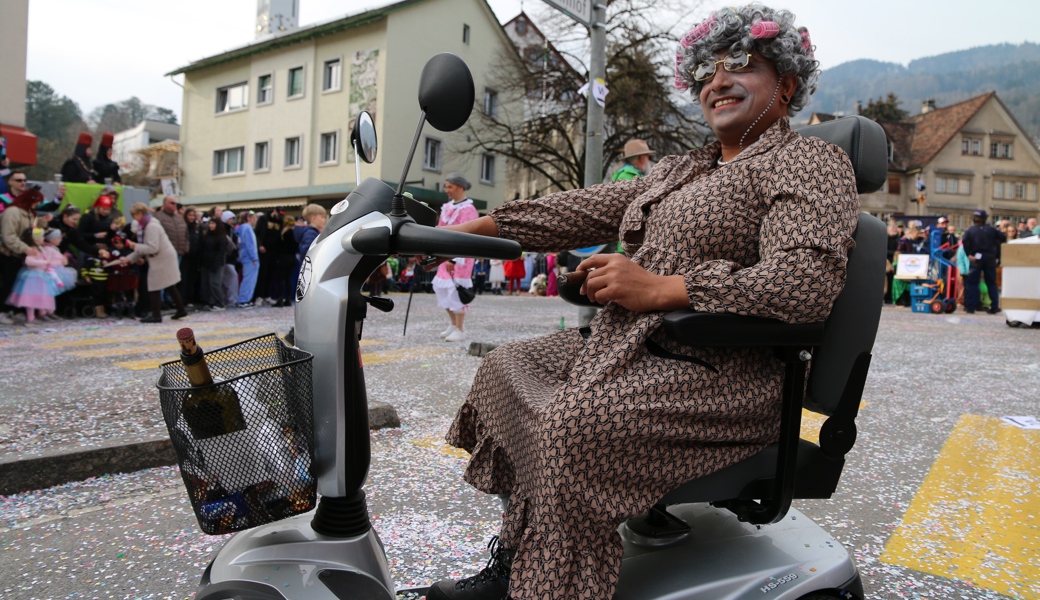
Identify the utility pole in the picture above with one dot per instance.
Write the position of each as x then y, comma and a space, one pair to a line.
594, 135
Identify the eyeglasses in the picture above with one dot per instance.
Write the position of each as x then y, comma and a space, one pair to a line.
22, 180
733, 62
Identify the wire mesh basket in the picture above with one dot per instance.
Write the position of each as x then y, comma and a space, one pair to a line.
245, 444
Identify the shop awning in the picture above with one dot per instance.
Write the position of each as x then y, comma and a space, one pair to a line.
21, 145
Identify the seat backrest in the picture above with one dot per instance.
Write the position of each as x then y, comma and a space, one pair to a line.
852, 326
865, 143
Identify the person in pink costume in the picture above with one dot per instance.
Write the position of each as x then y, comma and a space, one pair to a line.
38, 281
460, 270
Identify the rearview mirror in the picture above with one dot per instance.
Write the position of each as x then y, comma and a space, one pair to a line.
363, 137
446, 92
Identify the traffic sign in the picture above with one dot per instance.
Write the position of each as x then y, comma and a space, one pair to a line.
579, 10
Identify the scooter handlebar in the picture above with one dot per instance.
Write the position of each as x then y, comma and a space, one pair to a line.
413, 238
418, 239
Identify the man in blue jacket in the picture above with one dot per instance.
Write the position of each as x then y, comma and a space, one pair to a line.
981, 242
248, 257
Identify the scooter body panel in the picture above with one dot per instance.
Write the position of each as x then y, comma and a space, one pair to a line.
724, 559
298, 563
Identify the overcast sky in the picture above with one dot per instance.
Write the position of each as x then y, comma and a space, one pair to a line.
109, 50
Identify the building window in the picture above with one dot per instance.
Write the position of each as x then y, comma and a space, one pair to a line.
228, 161
952, 185
521, 26
487, 168
1000, 150
264, 89
998, 189
293, 151
894, 185
490, 103
329, 148
971, 146
262, 156
1031, 191
296, 82
233, 97
332, 75
465, 33
432, 155
1020, 191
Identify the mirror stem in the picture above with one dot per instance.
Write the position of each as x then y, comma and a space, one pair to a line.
357, 164
398, 206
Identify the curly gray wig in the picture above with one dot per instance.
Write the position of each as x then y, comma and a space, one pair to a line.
750, 28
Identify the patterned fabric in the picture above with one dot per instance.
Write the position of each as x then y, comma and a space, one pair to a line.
586, 432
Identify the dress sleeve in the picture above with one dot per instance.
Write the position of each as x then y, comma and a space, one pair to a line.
804, 241
576, 218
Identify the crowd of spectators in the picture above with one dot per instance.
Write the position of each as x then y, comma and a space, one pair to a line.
977, 276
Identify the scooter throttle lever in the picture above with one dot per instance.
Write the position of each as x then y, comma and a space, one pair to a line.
380, 303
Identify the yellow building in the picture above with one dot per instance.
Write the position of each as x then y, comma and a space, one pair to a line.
969, 155
268, 124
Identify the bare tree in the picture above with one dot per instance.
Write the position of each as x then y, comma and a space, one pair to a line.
540, 127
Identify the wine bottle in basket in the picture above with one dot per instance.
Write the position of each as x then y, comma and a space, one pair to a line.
209, 410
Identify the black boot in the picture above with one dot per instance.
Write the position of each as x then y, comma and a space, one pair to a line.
492, 583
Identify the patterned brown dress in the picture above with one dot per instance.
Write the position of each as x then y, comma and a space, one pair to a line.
584, 433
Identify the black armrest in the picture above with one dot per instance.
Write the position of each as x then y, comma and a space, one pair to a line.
731, 331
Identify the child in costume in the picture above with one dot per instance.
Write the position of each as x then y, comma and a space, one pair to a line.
35, 287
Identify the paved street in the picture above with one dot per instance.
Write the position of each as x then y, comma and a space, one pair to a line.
940, 499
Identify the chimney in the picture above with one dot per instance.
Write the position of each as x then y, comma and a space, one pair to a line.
928, 106
276, 17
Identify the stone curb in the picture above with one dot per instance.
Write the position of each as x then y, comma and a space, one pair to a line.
39, 472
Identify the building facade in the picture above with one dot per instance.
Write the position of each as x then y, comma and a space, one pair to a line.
19, 144
957, 159
125, 144
268, 124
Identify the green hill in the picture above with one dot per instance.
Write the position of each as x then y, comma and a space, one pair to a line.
1013, 71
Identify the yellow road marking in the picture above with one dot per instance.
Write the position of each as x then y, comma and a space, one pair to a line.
438, 444
375, 358
976, 516
369, 358
136, 338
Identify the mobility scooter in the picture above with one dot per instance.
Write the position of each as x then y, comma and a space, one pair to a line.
729, 535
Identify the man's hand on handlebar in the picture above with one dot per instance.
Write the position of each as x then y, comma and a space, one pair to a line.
483, 226
615, 278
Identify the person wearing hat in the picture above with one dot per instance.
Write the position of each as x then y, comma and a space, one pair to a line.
96, 224
637, 161
981, 244
77, 169
460, 270
104, 166
230, 280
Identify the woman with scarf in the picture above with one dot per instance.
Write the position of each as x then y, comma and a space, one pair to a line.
758, 223
104, 167
459, 271
78, 168
163, 272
